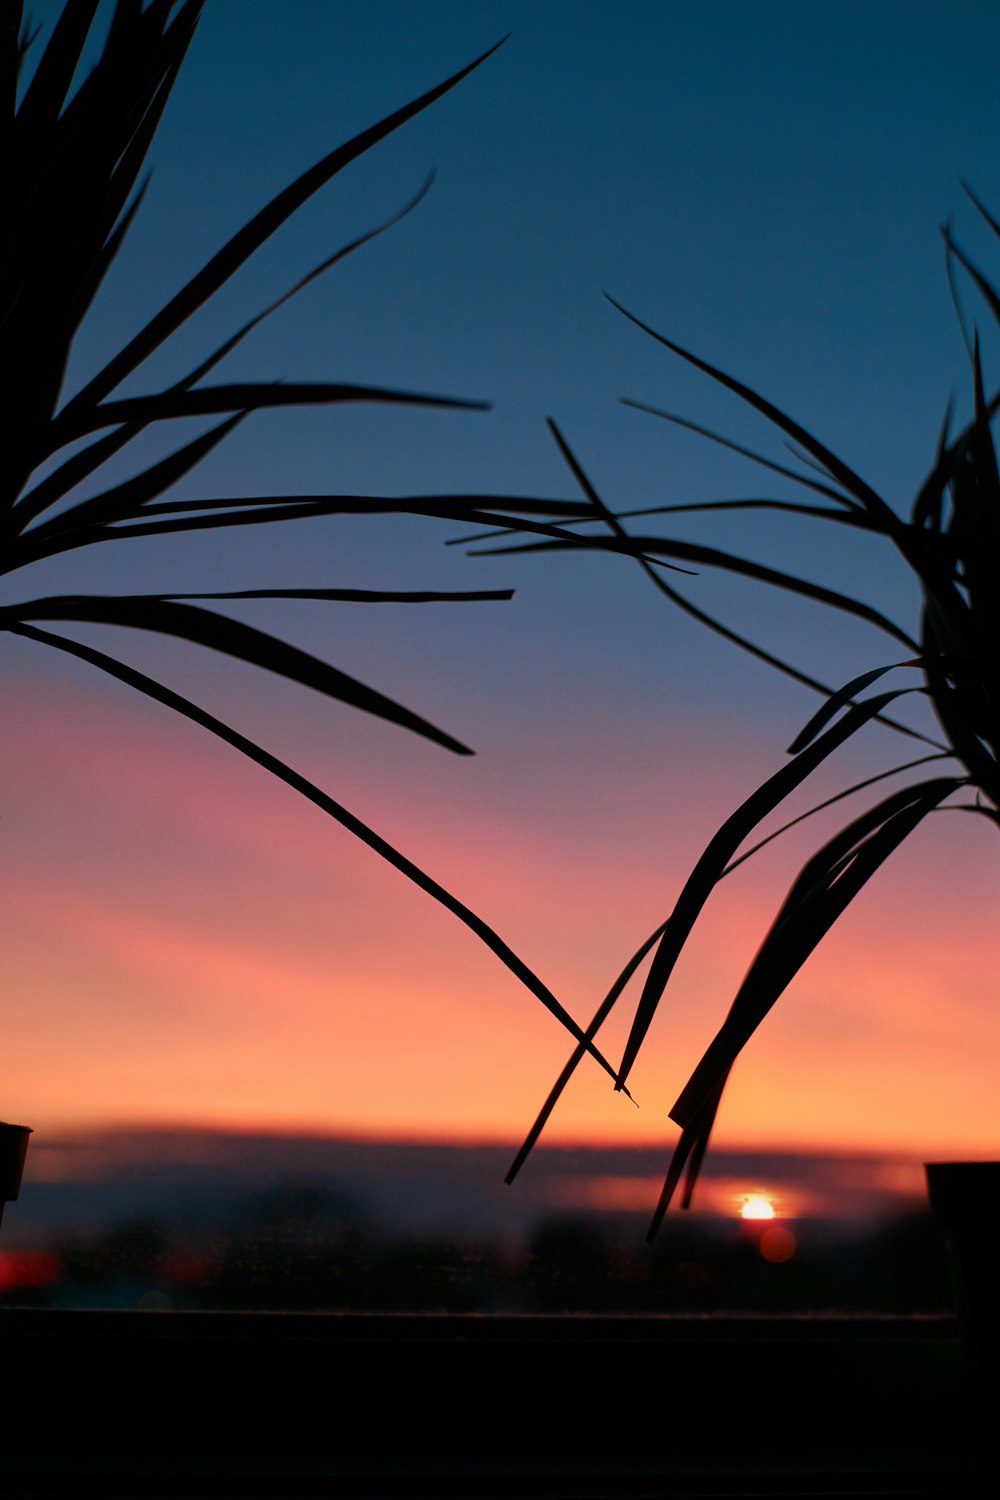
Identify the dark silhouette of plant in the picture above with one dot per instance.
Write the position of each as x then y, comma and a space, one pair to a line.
951, 544
74, 154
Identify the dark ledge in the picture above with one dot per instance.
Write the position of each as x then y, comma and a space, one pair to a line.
478, 1327
450, 1405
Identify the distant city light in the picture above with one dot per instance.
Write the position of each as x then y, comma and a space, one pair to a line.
28, 1270
756, 1206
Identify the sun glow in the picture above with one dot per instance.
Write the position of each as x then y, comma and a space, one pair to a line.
756, 1206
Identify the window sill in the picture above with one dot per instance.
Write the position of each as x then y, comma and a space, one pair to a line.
289, 1404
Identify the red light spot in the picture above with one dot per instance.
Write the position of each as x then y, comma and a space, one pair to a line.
777, 1244
26, 1269
186, 1269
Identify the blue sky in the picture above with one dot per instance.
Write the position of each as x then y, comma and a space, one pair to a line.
761, 182
764, 183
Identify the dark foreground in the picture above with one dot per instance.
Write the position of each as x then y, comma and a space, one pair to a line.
203, 1404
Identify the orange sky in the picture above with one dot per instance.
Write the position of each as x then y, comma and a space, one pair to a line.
186, 941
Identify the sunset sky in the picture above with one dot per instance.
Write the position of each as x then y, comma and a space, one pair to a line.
184, 939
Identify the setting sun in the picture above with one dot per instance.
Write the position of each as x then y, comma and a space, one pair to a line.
757, 1207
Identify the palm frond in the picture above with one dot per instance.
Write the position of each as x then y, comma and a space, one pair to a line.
880, 513
36, 501
846, 501
183, 706
840, 699
624, 542
204, 627
65, 532
249, 239
847, 791
787, 507
597, 1021
818, 897
617, 989
208, 400
951, 544
652, 548
708, 870
77, 176
986, 289
822, 892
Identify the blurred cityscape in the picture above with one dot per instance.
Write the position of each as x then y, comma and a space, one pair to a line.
187, 1219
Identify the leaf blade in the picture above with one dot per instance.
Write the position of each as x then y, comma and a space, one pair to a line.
327, 804
716, 856
253, 234
853, 483
821, 893
232, 638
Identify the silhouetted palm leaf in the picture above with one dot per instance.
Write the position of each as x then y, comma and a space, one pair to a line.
74, 185
951, 543
561, 538
327, 804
